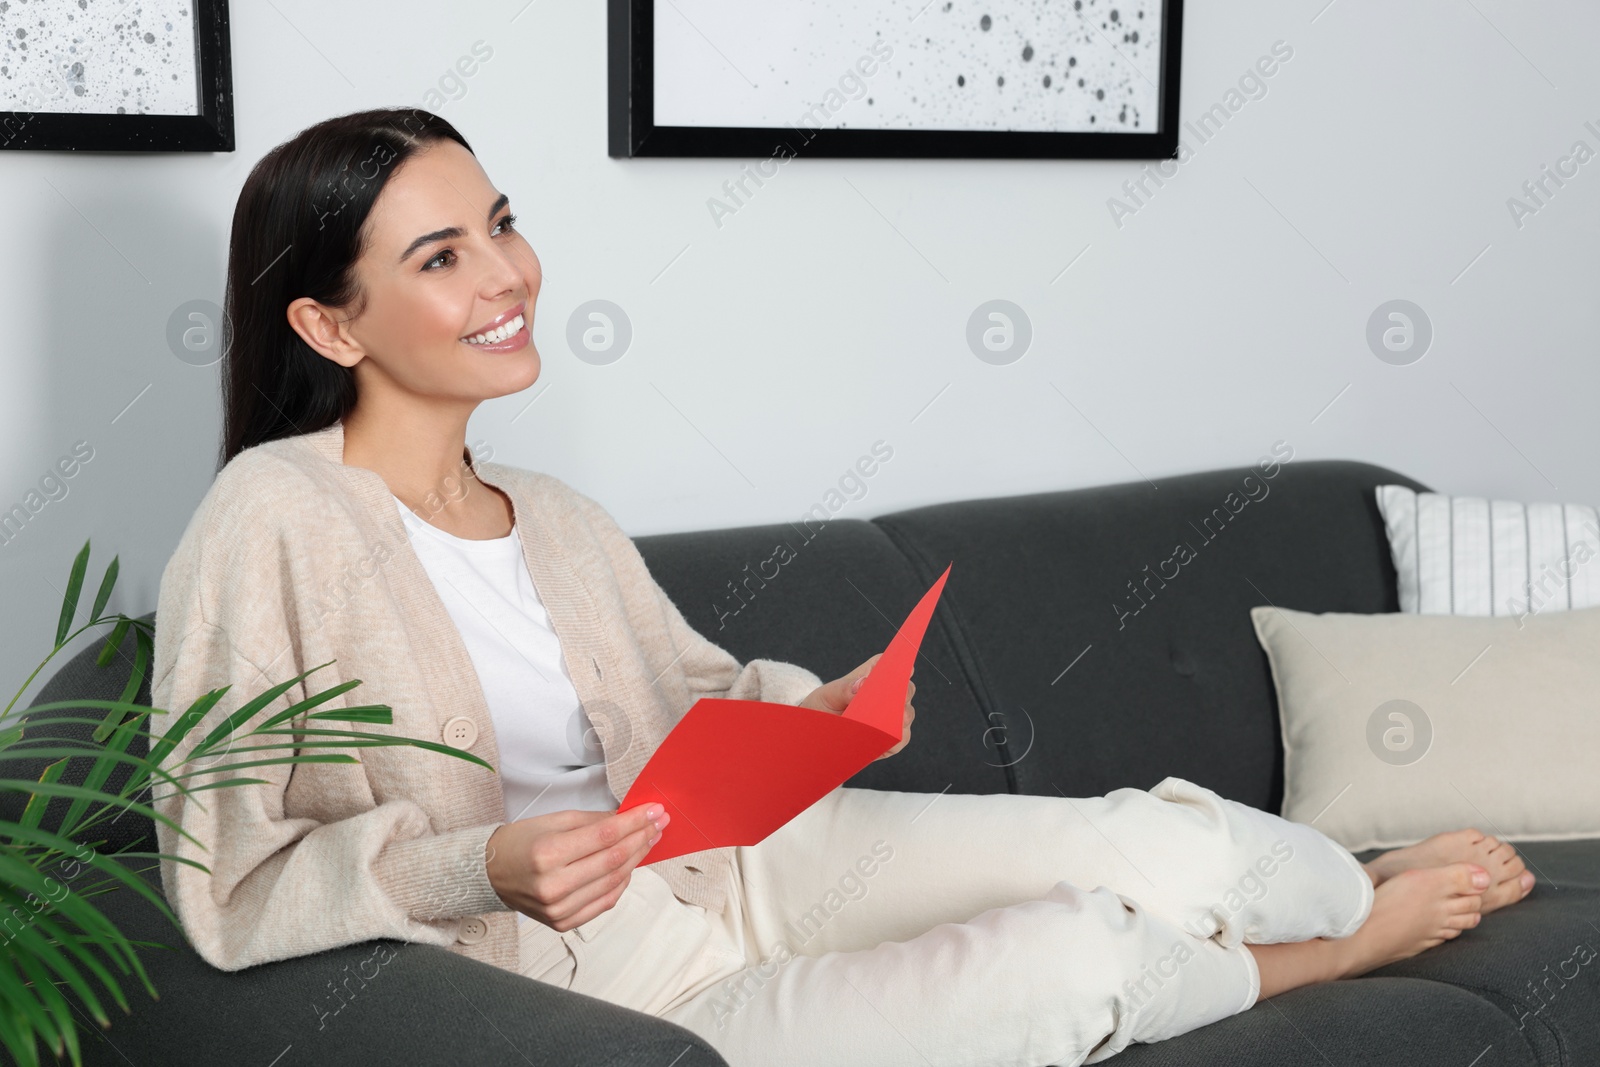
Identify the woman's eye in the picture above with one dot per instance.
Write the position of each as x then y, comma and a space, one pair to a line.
510, 222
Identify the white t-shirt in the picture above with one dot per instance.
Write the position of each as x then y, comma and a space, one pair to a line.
550, 754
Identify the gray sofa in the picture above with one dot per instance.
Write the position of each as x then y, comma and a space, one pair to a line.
1036, 673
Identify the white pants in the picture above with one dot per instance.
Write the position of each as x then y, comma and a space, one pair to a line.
879, 929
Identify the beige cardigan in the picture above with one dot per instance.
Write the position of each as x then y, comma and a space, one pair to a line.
293, 559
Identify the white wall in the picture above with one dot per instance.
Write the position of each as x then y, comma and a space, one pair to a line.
1223, 315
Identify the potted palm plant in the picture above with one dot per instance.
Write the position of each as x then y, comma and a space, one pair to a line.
55, 940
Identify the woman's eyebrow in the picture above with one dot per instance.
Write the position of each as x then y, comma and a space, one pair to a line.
450, 231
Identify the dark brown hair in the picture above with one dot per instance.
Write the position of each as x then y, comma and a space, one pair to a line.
298, 231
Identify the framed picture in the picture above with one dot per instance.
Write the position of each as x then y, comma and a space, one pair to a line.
149, 77
1075, 79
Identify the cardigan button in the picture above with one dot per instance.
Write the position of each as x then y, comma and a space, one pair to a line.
473, 930
460, 732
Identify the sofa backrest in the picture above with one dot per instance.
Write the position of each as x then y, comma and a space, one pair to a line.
1076, 649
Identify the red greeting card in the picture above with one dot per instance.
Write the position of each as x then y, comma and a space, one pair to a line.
732, 771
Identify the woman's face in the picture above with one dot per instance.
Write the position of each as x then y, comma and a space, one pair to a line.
427, 292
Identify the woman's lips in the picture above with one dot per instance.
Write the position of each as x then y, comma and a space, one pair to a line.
501, 319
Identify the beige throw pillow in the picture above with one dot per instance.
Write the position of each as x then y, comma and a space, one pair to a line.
1397, 726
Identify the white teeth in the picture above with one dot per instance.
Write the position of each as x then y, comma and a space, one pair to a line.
496, 336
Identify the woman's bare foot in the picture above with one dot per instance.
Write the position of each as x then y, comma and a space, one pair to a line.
1412, 911
1511, 880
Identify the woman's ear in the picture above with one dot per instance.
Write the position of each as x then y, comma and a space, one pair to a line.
320, 327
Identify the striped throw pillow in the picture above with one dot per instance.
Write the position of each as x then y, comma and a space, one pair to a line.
1457, 555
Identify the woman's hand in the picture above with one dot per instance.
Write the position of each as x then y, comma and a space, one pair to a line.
835, 696
566, 867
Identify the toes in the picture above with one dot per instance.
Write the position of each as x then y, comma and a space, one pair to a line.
1466, 877
1464, 921
1508, 891
1503, 891
1501, 852
1507, 862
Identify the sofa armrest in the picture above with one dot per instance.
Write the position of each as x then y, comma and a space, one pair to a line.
381, 1001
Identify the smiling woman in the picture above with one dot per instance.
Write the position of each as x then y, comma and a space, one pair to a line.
415, 290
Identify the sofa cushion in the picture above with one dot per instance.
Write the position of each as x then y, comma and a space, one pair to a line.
830, 600
1400, 725
1098, 688
1463, 555
1537, 961
381, 1001
1374, 1022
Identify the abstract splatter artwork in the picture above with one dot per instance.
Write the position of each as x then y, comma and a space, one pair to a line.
98, 57
1079, 66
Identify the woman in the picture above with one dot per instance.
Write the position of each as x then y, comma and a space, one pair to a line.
378, 292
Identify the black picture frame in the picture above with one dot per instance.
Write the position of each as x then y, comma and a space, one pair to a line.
632, 131
210, 130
